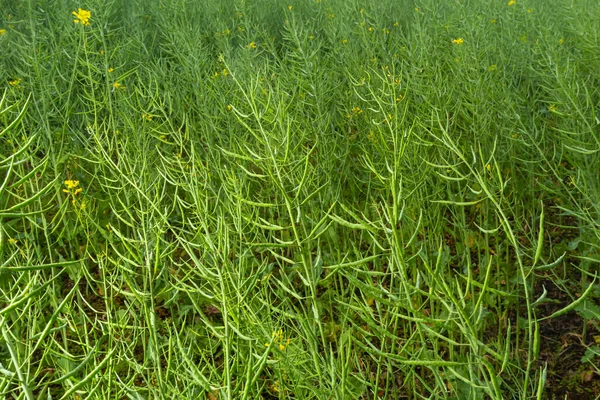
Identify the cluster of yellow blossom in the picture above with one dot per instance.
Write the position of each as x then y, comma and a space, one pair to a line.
82, 16
71, 184
458, 41
224, 73
278, 339
118, 85
73, 190
356, 111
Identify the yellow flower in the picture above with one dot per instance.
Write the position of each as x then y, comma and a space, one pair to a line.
552, 107
12, 241
493, 21
16, 82
83, 16
111, 70
345, 41
228, 107
289, 7
2, 32
371, 29
116, 85
458, 41
71, 184
530, 10
512, 2
561, 41
251, 45
147, 117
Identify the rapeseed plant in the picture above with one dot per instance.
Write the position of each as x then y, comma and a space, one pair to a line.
365, 204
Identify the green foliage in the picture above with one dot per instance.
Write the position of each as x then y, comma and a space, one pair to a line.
319, 199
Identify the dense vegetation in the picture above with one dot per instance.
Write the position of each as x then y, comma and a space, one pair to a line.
312, 199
